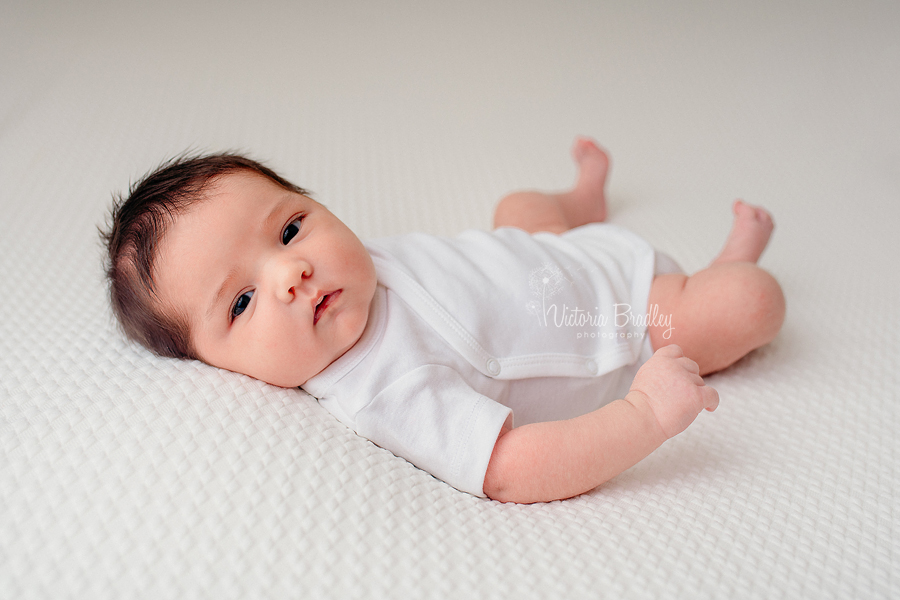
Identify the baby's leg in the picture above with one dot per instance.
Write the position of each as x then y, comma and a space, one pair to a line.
556, 213
749, 234
723, 312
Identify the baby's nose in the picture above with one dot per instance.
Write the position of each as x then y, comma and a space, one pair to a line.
290, 277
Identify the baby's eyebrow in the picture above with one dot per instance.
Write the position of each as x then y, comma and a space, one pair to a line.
272, 218
223, 289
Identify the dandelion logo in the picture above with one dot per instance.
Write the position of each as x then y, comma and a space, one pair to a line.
545, 282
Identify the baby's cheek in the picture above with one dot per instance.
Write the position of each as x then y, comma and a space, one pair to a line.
279, 374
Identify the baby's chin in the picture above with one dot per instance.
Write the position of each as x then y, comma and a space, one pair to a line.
286, 381
294, 378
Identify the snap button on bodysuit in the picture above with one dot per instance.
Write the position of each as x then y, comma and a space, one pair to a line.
493, 366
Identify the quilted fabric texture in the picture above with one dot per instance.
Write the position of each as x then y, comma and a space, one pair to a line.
123, 475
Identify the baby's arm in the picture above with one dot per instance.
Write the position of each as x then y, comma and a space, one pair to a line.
560, 459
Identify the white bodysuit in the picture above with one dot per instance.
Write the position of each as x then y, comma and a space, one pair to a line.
463, 333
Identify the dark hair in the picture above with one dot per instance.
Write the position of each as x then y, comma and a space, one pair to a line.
137, 224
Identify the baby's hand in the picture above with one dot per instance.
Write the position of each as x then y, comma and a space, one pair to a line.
671, 386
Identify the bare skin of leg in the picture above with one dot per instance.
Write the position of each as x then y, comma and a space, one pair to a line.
728, 309
584, 203
720, 313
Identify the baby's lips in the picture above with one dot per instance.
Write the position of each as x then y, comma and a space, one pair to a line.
318, 305
323, 302
318, 299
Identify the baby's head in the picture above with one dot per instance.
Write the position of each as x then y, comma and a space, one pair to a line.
220, 259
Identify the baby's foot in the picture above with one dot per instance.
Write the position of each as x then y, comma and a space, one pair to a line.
749, 234
586, 203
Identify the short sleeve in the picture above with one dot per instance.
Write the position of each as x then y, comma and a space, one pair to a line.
433, 419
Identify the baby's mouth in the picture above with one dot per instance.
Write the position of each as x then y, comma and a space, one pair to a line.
323, 304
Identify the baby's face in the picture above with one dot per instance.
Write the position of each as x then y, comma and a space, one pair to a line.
273, 285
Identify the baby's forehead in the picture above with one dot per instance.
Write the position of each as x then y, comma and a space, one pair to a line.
240, 182
208, 194
193, 251
231, 207
221, 192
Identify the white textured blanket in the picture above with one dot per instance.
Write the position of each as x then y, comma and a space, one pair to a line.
123, 475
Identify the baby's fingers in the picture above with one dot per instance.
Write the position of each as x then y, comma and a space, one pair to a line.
670, 351
710, 398
689, 365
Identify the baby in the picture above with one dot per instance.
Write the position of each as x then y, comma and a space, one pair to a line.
429, 346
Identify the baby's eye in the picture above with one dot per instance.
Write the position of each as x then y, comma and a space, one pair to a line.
291, 230
241, 304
